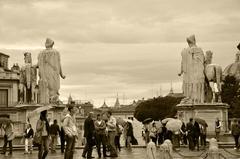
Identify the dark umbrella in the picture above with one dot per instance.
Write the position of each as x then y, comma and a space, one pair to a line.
201, 122
148, 120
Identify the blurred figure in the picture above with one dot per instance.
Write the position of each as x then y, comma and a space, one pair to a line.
28, 135
8, 137
119, 130
151, 149
196, 134
100, 127
218, 126
43, 129
111, 127
54, 131
129, 135
190, 134
153, 132
183, 134
146, 133
203, 135
235, 132
89, 134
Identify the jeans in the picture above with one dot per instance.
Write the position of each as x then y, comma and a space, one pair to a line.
88, 148
43, 148
117, 142
236, 140
69, 147
5, 144
101, 140
53, 142
28, 142
62, 144
113, 150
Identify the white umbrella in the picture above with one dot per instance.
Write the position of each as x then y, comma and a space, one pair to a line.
164, 121
174, 125
39, 110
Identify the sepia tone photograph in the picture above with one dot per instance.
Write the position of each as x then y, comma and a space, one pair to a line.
124, 79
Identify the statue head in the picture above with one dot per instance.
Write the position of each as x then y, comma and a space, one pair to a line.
27, 57
191, 40
49, 43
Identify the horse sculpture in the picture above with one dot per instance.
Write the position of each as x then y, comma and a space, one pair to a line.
213, 73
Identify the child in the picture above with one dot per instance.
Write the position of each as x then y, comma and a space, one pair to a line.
151, 149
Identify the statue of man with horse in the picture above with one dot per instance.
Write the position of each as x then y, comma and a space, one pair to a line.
199, 75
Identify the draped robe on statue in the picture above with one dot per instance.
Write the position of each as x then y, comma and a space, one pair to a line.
49, 70
193, 72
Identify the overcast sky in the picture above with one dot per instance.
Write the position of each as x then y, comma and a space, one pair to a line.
127, 46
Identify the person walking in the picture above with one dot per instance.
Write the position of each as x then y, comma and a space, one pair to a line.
70, 129
28, 135
203, 135
190, 135
43, 129
129, 135
235, 132
89, 134
54, 131
218, 126
196, 134
119, 130
8, 137
111, 127
100, 127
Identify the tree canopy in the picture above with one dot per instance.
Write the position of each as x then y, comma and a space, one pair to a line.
157, 108
231, 95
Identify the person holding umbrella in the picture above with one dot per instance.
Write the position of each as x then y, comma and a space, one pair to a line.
8, 137
43, 129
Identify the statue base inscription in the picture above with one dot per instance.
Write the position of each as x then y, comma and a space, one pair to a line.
207, 111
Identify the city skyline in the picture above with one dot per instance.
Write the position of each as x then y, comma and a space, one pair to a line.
109, 47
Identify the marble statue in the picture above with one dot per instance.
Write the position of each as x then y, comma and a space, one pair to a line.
192, 69
213, 73
213, 152
234, 68
50, 70
28, 81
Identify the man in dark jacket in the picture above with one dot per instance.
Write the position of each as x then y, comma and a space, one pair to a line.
235, 132
89, 134
196, 134
28, 135
54, 131
190, 135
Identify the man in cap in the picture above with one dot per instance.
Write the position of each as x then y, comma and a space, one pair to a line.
49, 65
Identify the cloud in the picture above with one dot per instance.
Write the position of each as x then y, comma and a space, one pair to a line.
117, 21
111, 46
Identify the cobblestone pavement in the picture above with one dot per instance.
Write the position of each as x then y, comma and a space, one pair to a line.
135, 153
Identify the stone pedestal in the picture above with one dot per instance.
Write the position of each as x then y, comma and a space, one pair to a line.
207, 111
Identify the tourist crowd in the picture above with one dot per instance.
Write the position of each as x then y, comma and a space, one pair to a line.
105, 132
